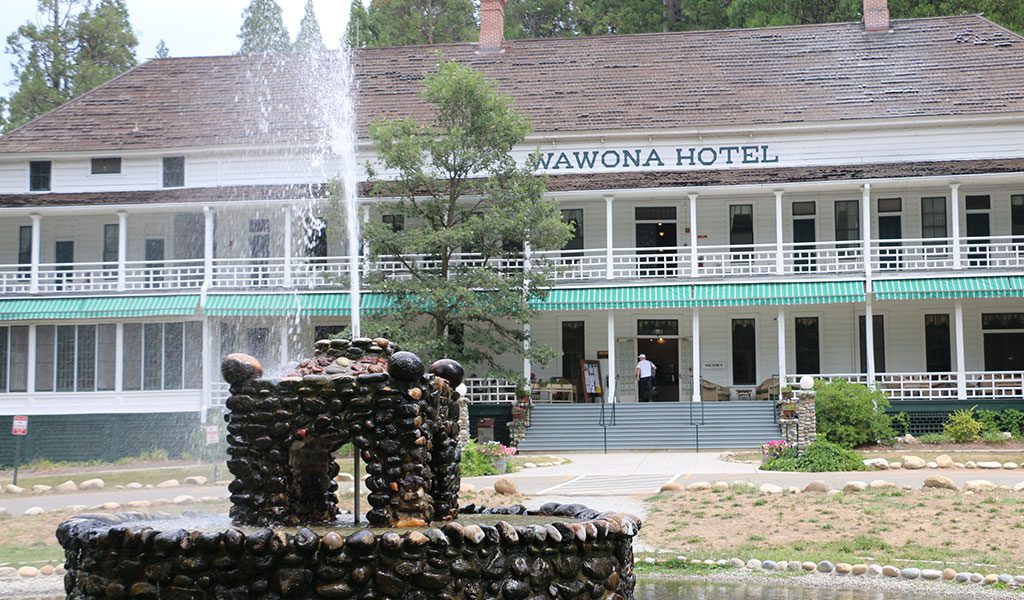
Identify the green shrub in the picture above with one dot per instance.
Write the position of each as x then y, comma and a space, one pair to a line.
851, 414
989, 420
933, 438
476, 463
821, 456
993, 437
901, 423
961, 426
1003, 420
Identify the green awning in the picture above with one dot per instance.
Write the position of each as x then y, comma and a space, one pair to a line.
376, 303
778, 294
663, 296
101, 307
949, 288
278, 305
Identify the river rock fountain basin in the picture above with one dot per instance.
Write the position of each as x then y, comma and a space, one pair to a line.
284, 539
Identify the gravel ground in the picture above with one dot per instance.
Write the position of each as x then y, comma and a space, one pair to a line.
51, 586
891, 585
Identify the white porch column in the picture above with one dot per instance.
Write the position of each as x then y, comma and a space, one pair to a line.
208, 227
366, 245
865, 228
954, 199
122, 247
779, 258
695, 335
609, 395
869, 339
282, 351
207, 370
119, 357
30, 385
693, 234
287, 246
527, 330
34, 268
609, 250
961, 367
781, 324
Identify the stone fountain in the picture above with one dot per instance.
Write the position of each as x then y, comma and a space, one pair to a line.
285, 538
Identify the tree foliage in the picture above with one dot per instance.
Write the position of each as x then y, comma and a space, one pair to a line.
162, 51
459, 189
409, 22
70, 49
263, 28
852, 414
309, 38
360, 32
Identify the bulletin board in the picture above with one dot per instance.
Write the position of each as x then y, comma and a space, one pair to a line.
591, 382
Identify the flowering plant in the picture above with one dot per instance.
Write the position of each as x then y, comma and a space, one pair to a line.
496, 450
774, 448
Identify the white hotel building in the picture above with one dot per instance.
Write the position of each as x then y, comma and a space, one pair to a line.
746, 202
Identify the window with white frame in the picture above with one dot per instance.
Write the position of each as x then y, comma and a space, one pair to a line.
74, 358
162, 356
933, 217
13, 358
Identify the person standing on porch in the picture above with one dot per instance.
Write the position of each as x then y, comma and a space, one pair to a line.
645, 378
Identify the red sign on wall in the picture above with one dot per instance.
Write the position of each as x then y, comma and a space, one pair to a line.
19, 426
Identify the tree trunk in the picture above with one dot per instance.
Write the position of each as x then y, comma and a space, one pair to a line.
673, 14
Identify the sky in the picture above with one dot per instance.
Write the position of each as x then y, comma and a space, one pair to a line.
188, 27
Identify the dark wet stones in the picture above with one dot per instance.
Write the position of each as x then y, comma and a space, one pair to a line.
238, 368
449, 370
406, 366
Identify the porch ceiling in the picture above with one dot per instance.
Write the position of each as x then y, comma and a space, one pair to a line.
104, 307
949, 288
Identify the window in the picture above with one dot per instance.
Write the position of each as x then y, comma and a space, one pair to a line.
1017, 215
879, 332
259, 238
889, 205
655, 213
847, 220
574, 217
744, 352
152, 356
4, 357
133, 357
397, 222
573, 349
977, 202
44, 357
937, 344
316, 243
25, 246
39, 175
85, 365
174, 337
804, 209
657, 327
106, 360
162, 356
808, 350
933, 217
17, 373
110, 243
106, 166
741, 224
1004, 341
174, 171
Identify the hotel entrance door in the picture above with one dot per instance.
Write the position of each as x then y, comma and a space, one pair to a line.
664, 353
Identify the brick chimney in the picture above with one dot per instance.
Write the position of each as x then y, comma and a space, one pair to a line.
492, 25
876, 15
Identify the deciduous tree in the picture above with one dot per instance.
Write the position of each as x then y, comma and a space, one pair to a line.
263, 28
459, 189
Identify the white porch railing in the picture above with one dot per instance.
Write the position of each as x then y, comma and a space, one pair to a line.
77, 277
481, 390
164, 275
1004, 252
979, 385
219, 393
15, 279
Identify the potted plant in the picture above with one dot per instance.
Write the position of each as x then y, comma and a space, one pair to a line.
499, 454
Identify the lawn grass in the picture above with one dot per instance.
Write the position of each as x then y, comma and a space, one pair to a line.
936, 527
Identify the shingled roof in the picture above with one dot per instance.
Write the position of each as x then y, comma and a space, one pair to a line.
833, 72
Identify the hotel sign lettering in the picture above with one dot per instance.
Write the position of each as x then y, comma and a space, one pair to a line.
654, 158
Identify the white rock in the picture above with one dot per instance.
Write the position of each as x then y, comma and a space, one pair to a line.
913, 462
529, 465
1019, 487
196, 480
76, 507
896, 465
980, 485
941, 482
28, 571
10, 488
41, 489
720, 486
68, 486
878, 463
754, 564
874, 570
1010, 465
133, 486
169, 484
855, 486
110, 505
990, 464
35, 510
140, 504
699, 486
768, 488
831, 493
1007, 435
958, 465
3, 512
909, 439
933, 465
47, 570
818, 485
792, 490
7, 572
879, 484
944, 461
92, 484
970, 465
467, 488
184, 499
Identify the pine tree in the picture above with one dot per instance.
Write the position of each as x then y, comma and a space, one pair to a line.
525, 19
309, 38
263, 28
360, 32
408, 22
106, 45
161, 50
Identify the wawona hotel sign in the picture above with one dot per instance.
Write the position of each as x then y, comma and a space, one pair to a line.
647, 158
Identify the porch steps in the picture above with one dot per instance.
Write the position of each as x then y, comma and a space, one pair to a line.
657, 426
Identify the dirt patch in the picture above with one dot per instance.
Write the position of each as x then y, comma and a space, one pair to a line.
880, 525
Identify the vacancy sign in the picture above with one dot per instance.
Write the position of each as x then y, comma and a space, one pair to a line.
19, 426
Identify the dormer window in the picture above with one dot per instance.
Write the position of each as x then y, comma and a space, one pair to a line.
39, 175
106, 166
174, 171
